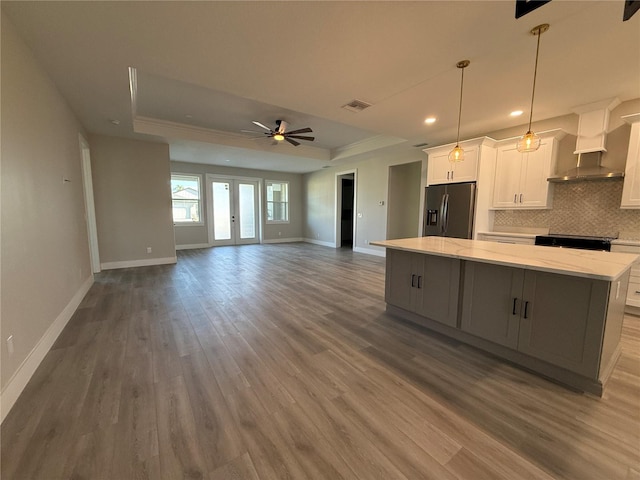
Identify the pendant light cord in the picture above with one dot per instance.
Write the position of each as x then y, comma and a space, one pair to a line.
535, 74
460, 109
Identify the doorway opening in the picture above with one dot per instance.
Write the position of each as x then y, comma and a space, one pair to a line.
403, 202
233, 210
345, 209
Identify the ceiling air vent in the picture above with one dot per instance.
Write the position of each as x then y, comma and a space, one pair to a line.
421, 145
356, 106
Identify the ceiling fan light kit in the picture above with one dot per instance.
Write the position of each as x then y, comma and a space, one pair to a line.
457, 154
530, 142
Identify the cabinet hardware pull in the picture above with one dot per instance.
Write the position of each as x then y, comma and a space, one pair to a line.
452, 175
448, 175
515, 301
515, 198
419, 281
413, 280
520, 198
526, 304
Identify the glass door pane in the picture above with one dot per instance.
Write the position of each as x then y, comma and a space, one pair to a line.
222, 216
247, 210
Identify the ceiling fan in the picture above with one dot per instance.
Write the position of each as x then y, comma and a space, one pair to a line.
281, 133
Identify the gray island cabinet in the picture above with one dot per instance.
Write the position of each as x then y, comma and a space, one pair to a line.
557, 312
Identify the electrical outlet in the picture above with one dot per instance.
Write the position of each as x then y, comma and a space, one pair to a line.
149, 250
10, 344
279, 234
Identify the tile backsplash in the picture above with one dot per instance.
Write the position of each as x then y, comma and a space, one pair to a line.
579, 208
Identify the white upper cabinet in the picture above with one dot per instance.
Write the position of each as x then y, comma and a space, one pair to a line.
440, 170
521, 178
631, 187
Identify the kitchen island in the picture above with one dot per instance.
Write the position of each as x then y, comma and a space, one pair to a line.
554, 311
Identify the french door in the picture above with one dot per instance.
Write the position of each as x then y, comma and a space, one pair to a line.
233, 211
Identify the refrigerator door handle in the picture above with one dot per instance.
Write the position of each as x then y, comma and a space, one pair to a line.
444, 216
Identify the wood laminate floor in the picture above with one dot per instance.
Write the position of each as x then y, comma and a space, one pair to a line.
279, 362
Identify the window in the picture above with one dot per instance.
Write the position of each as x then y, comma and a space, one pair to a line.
277, 202
186, 199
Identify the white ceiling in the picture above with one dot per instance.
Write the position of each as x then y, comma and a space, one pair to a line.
227, 63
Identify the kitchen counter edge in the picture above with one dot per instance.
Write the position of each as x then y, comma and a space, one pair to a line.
608, 266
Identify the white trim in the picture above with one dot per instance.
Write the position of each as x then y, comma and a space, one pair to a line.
139, 263
178, 223
25, 371
371, 251
266, 201
319, 242
89, 204
283, 240
192, 246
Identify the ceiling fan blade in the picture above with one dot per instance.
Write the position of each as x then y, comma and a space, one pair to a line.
292, 142
302, 130
253, 131
300, 137
261, 125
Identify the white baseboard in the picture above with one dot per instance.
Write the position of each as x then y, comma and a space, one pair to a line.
319, 242
25, 371
138, 263
192, 246
370, 251
282, 240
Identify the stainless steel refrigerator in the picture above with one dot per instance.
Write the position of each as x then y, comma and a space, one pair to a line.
449, 210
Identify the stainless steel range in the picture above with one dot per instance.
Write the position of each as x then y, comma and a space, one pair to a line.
575, 241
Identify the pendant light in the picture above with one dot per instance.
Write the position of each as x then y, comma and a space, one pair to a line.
530, 142
457, 154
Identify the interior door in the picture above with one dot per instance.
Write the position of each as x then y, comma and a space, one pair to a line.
234, 211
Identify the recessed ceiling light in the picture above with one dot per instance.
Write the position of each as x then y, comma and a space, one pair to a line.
227, 160
430, 120
516, 113
188, 116
115, 122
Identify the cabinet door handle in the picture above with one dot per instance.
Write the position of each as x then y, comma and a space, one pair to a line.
515, 302
520, 198
515, 198
419, 281
413, 280
451, 174
448, 173
526, 305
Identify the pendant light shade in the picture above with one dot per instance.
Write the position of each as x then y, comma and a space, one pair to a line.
457, 154
530, 142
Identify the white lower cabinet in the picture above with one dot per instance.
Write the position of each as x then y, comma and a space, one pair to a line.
633, 290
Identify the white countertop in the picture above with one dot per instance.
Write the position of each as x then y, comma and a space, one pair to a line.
567, 261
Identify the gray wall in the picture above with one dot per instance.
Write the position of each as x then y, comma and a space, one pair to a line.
197, 235
404, 200
45, 255
371, 187
131, 182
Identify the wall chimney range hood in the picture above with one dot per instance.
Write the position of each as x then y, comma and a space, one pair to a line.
590, 144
